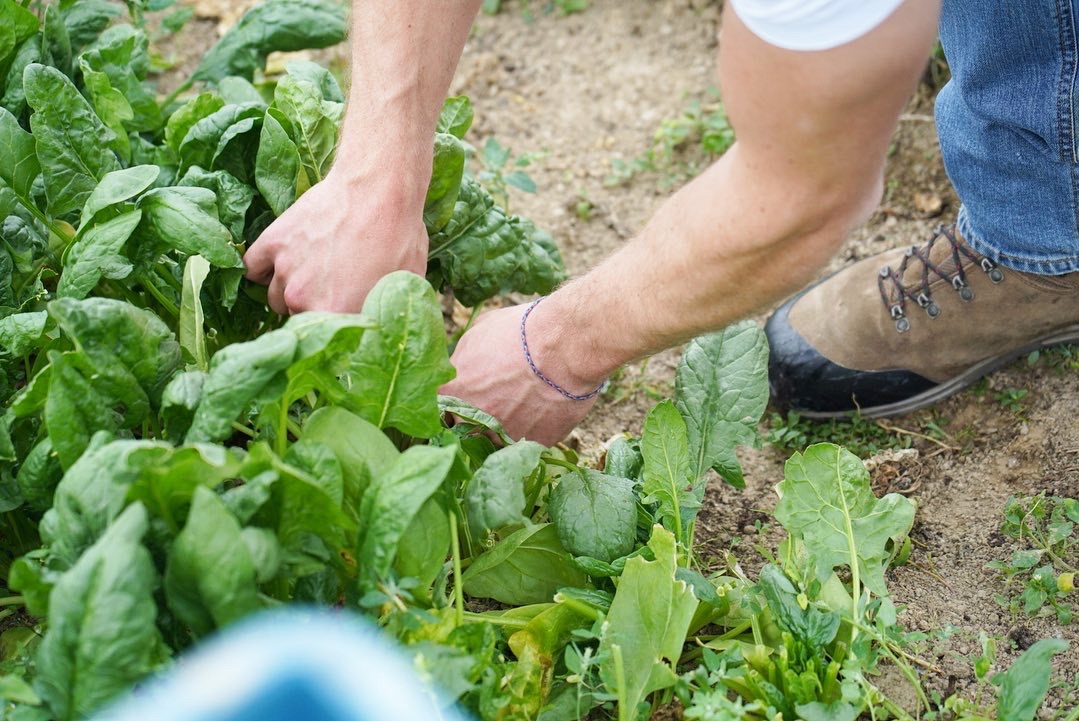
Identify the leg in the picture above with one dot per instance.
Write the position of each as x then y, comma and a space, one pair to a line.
907, 328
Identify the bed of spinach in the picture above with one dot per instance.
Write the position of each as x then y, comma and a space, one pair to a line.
174, 457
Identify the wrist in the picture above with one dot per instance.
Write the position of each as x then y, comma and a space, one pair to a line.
564, 351
395, 190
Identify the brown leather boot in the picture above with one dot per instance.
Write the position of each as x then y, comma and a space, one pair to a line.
907, 328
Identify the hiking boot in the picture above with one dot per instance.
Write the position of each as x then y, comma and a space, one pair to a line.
907, 328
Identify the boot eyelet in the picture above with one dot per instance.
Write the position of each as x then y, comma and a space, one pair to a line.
923, 300
884, 272
990, 268
933, 310
902, 325
966, 293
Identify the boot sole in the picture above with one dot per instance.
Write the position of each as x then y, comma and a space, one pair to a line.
952, 386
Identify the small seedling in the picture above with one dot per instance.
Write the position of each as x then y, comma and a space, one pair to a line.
1045, 564
1012, 399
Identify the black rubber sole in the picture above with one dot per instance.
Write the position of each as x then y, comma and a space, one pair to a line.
952, 386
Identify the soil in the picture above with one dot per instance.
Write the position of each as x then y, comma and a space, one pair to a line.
585, 89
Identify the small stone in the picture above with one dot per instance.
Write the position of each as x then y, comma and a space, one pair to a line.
928, 204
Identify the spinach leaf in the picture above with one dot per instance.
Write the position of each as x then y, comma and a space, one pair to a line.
667, 478
240, 374
39, 475
116, 187
55, 43
192, 333
92, 494
210, 579
277, 166
362, 449
400, 365
275, 25
234, 197
474, 252
111, 106
624, 458
179, 401
318, 76
313, 123
83, 397
495, 496
539, 267
595, 514
310, 525
113, 333
446, 175
223, 140
20, 333
95, 254
14, 97
86, 19
72, 142
178, 218
425, 545
456, 116
469, 419
16, 25
1024, 685
646, 626
101, 636
814, 627
122, 54
529, 566
721, 388
826, 501
187, 116
124, 357
392, 502
19, 165
168, 479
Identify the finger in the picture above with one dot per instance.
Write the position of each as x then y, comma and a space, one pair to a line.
259, 260
275, 295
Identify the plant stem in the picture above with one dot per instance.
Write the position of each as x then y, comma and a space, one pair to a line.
458, 585
166, 303
281, 441
13, 601
495, 620
561, 463
241, 428
184, 87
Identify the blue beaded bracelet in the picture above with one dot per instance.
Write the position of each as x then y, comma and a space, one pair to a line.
539, 374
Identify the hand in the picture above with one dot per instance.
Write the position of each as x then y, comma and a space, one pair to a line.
328, 250
492, 375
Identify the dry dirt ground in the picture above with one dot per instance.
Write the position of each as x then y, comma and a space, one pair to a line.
585, 89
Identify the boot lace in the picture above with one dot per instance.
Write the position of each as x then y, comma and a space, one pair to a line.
895, 295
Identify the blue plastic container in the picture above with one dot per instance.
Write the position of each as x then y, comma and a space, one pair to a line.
289, 666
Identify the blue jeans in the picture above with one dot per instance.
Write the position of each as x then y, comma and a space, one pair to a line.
1007, 124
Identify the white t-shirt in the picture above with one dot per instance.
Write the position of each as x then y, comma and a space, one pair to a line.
812, 24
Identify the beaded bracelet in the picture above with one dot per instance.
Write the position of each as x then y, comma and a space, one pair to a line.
539, 374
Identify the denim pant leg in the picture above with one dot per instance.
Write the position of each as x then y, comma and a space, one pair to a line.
1007, 125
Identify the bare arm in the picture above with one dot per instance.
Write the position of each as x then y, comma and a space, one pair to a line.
366, 218
813, 130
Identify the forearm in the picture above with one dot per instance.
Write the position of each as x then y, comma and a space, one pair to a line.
813, 132
404, 53
724, 246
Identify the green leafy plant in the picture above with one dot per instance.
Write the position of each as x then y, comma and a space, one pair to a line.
1046, 564
682, 145
859, 435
